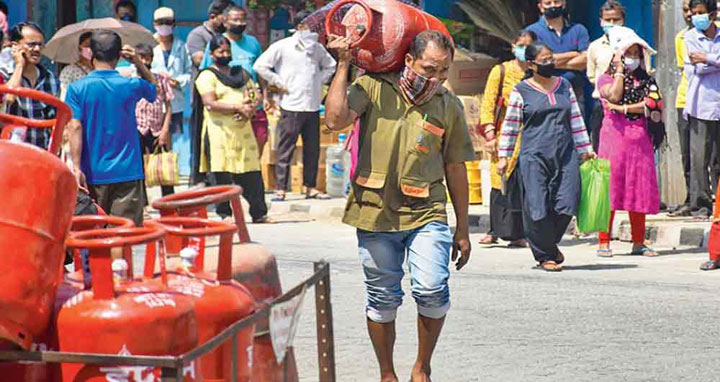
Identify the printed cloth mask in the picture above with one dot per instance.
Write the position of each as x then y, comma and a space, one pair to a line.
417, 88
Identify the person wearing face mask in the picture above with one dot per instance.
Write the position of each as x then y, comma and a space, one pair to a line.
413, 136
172, 60
702, 67
612, 13
154, 118
554, 142
505, 219
228, 150
80, 68
126, 10
245, 51
298, 66
569, 41
199, 37
630, 96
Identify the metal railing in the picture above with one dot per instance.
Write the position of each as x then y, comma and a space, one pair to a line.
172, 366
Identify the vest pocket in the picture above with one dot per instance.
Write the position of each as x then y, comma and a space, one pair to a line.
369, 188
415, 188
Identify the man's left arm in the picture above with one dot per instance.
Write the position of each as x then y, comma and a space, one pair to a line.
577, 60
457, 150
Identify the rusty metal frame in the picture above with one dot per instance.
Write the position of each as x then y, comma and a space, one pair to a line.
172, 367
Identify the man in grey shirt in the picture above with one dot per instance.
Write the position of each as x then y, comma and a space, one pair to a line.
199, 37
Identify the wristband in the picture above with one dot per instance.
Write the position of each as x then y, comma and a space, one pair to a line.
616, 75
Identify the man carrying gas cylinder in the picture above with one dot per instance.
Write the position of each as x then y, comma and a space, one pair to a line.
413, 135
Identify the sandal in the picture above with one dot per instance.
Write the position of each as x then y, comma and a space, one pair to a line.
710, 265
318, 196
518, 244
644, 251
279, 198
605, 253
488, 240
264, 220
550, 266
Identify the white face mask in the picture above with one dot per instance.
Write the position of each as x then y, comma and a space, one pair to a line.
307, 38
632, 63
164, 30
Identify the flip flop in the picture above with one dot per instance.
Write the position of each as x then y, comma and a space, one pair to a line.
605, 253
644, 251
550, 266
488, 240
710, 265
318, 196
279, 198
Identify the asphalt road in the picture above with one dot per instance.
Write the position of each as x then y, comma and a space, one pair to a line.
620, 319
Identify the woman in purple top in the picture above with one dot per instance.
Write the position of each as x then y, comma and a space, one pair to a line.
629, 95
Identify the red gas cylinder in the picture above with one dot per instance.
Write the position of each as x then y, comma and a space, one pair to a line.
83, 223
39, 194
254, 267
139, 322
219, 300
381, 30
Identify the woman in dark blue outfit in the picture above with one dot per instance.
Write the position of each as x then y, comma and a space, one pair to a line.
544, 108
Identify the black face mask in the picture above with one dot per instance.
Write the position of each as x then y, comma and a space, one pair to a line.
546, 70
554, 12
222, 61
238, 30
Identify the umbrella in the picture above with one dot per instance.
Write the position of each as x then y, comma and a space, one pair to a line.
63, 47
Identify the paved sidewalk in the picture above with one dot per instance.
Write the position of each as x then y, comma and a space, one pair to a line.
661, 230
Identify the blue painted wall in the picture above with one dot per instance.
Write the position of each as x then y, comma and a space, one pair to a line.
18, 10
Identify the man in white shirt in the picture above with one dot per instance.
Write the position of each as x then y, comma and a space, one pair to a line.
612, 13
298, 66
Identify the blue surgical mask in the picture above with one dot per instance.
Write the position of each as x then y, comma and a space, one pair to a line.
701, 22
606, 27
519, 52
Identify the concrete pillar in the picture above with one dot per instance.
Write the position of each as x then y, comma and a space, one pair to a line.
670, 22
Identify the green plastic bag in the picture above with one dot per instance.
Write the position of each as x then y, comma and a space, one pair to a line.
594, 210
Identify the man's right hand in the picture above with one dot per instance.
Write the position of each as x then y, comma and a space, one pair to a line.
341, 47
80, 177
18, 54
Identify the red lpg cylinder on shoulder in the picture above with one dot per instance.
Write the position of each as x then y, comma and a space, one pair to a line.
219, 300
39, 194
381, 31
141, 320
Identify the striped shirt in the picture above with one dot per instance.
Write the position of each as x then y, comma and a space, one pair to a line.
151, 115
514, 119
30, 108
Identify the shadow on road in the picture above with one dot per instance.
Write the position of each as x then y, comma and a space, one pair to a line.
598, 267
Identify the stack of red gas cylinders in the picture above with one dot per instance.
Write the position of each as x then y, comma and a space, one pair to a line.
103, 307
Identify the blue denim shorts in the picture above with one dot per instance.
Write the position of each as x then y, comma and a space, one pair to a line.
427, 250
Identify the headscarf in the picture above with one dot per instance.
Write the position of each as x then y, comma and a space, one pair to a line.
639, 85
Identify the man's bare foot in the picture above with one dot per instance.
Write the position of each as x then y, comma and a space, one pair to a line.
389, 378
420, 374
